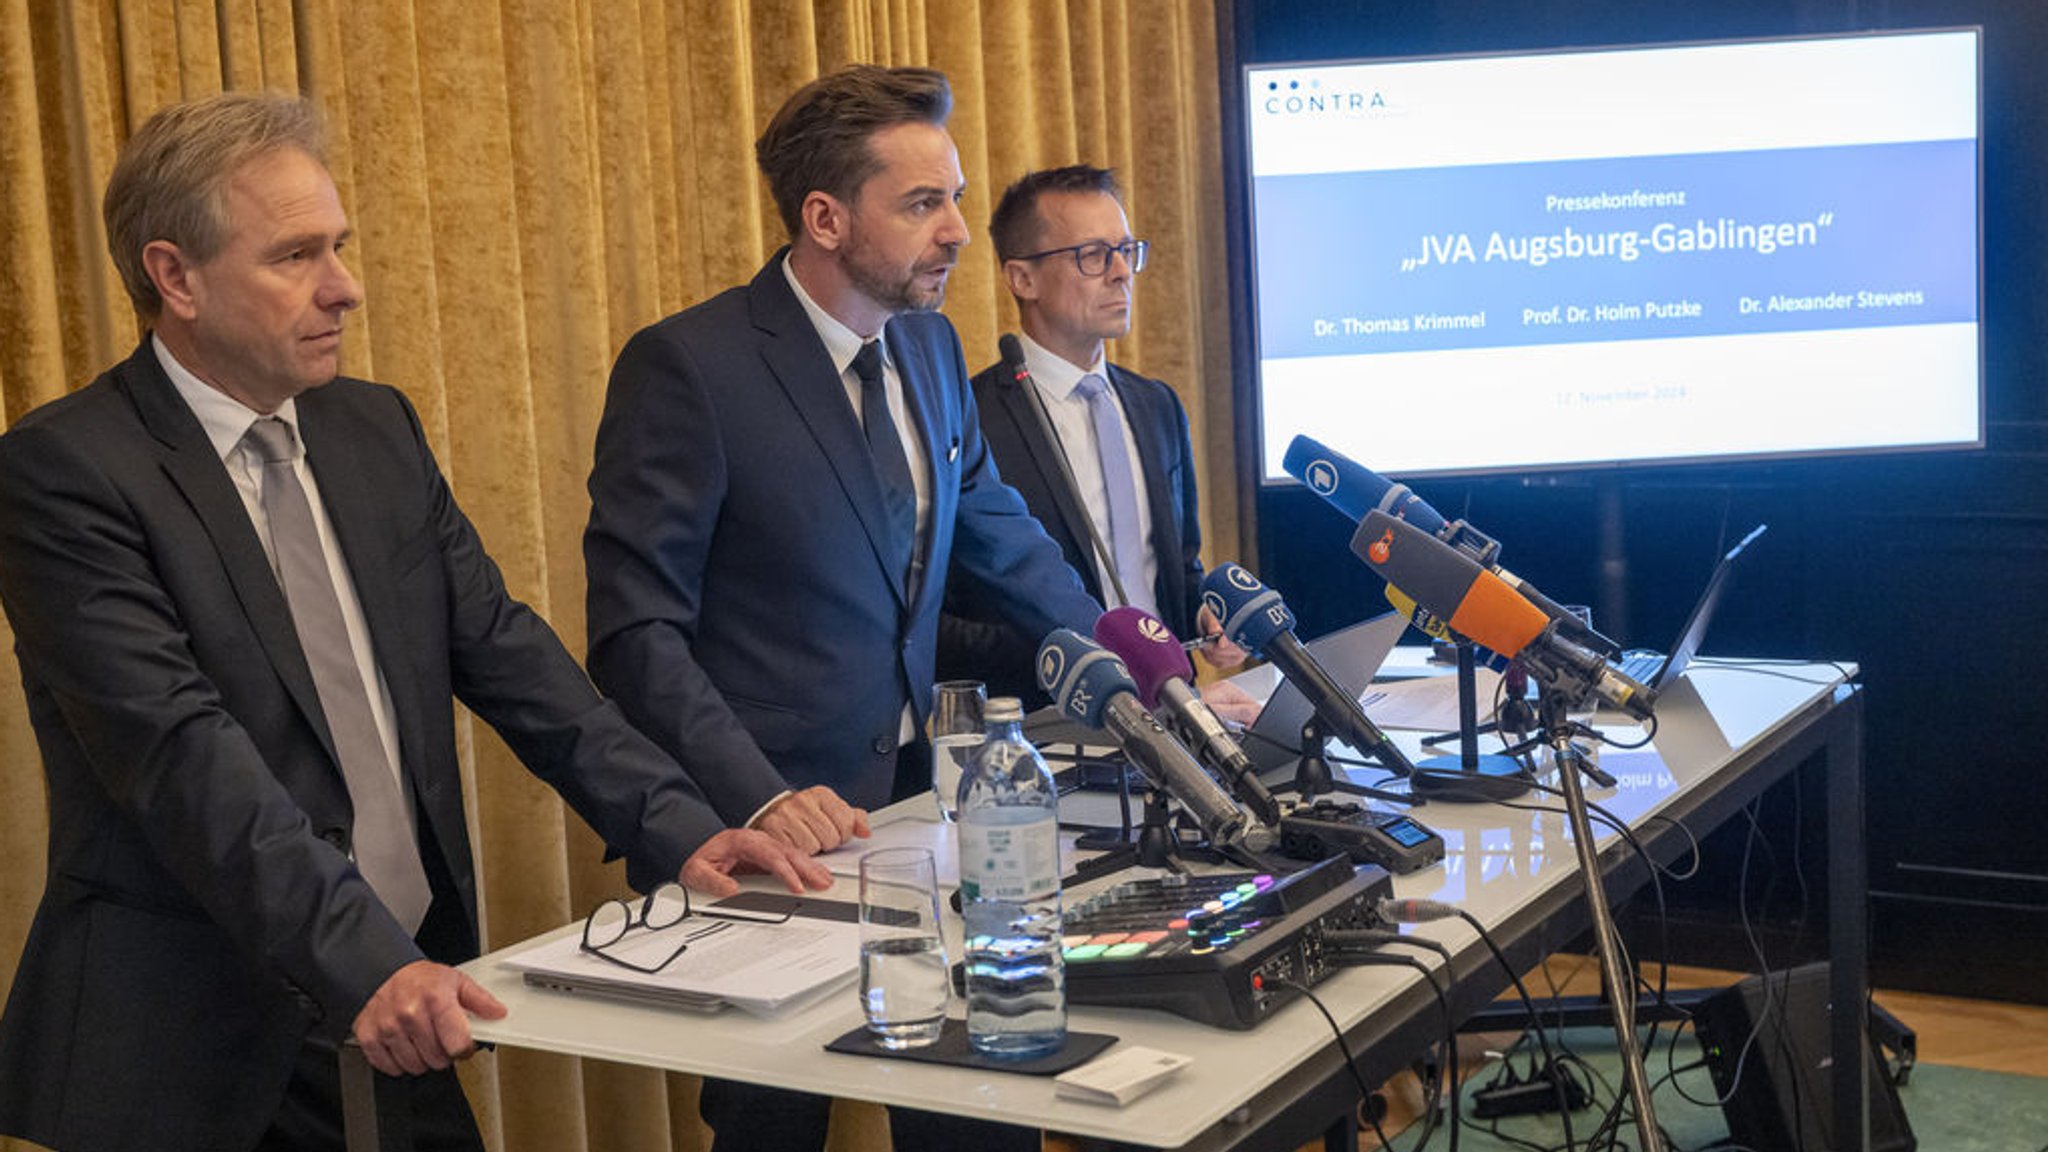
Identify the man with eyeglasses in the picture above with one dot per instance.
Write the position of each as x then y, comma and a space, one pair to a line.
1069, 259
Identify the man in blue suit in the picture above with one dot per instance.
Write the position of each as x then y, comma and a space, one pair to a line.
784, 475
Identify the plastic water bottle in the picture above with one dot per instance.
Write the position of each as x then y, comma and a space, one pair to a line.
1010, 894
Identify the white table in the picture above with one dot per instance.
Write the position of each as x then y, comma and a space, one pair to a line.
1723, 735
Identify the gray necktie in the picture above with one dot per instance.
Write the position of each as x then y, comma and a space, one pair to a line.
1120, 486
385, 850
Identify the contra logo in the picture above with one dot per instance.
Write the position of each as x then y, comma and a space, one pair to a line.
1154, 629
1321, 477
1298, 98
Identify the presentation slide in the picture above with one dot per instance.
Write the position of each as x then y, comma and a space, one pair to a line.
1681, 253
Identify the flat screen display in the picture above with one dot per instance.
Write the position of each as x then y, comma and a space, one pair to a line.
1572, 259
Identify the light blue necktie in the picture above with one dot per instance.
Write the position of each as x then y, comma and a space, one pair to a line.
1126, 542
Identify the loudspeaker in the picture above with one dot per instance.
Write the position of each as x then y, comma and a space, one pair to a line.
1766, 1043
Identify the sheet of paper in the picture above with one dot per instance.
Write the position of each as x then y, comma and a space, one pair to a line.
1429, 703
909, 832
916, 832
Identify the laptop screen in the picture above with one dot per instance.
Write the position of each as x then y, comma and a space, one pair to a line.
1695, 630
1351, 655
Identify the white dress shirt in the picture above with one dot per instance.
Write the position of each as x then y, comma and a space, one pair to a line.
1056, 380
226, 421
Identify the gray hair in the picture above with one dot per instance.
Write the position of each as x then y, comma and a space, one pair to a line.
170, 181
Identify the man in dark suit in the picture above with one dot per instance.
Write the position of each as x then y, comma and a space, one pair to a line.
243, 599
783, 475
1113, 481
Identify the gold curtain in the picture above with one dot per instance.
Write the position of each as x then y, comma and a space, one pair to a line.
531, 181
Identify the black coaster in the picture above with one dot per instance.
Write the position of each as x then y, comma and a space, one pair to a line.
952, 1048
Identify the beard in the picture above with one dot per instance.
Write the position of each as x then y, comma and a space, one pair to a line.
894, 288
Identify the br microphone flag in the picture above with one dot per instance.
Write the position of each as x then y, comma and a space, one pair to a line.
1080, 676
1090, 685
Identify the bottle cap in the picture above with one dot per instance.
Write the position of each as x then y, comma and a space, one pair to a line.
1003, 710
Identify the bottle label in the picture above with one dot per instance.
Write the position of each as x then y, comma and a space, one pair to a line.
1009, 861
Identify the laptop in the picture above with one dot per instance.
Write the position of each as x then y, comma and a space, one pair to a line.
1661, 671
1351, 655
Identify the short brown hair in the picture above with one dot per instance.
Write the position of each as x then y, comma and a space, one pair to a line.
170, 180
818, 140
1016, 227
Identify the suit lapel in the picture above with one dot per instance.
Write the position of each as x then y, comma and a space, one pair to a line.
1150, 433
356, 503
796, 356
1045, 457
192, 466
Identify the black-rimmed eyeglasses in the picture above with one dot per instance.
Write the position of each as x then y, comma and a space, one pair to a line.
657, 916
1092, 258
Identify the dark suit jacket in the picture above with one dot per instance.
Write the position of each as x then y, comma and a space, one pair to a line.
740, 610
201, 915
973, 641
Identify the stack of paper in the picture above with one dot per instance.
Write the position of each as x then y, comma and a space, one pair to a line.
761, 968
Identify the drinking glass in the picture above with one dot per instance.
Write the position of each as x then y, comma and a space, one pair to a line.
955, 733
904, 983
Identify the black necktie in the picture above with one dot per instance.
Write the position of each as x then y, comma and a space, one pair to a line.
385, 851
885, 445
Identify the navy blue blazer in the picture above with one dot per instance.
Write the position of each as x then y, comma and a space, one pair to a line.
974, 643
201, 916
740, 609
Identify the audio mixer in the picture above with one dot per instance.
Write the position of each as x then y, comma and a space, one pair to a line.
1224, 949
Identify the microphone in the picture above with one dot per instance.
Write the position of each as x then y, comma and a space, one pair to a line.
1484, 608
1011, 350
1161, 669
1257, 620
1091, 687
1356, 491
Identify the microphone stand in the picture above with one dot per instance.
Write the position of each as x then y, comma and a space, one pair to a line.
1469, 777
1095, 837
1558, 729
1314, 777
1157, 845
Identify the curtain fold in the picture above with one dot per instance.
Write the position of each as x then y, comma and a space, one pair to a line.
530, 182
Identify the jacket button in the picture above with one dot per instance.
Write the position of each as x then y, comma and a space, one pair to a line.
883, 745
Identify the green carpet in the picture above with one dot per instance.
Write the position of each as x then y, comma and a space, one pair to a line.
1949, 1109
